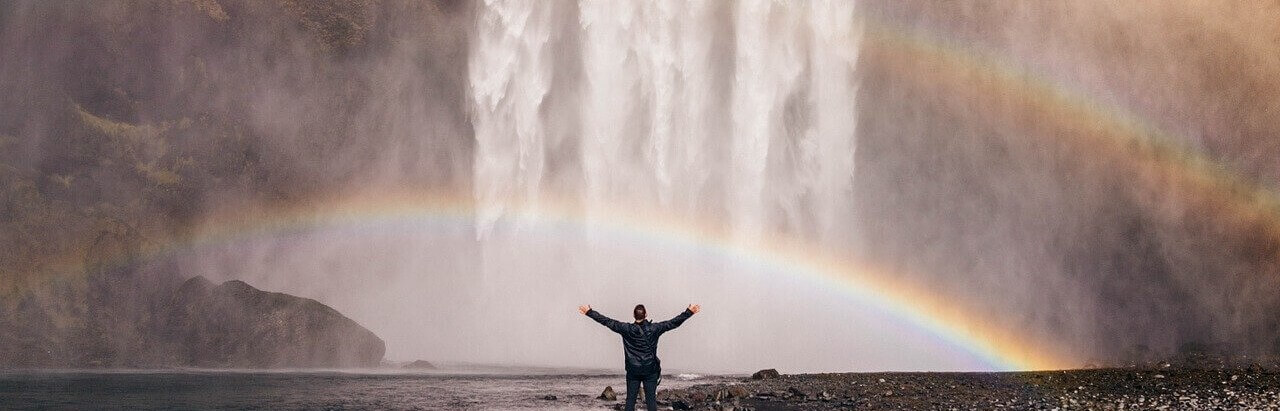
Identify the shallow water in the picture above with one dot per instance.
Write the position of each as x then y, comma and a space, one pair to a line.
187, 390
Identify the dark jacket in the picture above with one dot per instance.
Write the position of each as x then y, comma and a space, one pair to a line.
640, 340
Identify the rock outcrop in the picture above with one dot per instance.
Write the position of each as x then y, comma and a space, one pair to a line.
236, 325
765, 374
146, 323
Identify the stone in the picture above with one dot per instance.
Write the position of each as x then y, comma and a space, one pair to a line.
549, 397
419, 365
608, 394
766, 374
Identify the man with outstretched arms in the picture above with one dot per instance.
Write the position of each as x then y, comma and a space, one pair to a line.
640, 345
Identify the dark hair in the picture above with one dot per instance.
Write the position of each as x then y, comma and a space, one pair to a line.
638, 312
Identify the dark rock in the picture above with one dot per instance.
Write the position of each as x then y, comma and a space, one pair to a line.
237, 325
1191, 388
146, 321
549, 397
88, 202
765, 374
608, 394
419, 365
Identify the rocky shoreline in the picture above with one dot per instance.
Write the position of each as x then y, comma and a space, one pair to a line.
1109, 389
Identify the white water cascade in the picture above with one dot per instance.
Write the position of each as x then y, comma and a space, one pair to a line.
736, 114
739, 110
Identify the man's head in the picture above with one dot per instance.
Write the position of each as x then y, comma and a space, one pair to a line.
638, 312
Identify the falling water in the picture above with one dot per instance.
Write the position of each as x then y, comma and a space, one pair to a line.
738, 114
743, 110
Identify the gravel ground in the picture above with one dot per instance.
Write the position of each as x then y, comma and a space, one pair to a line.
1104, 389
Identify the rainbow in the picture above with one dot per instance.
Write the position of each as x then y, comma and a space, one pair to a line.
861, 282
1029, 106
956, 77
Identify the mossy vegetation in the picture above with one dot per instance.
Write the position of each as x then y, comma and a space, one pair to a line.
338, 25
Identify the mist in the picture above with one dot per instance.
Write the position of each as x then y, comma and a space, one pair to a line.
914, 136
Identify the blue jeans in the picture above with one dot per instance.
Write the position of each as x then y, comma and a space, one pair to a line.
650, 389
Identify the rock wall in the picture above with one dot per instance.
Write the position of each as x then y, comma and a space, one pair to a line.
125, 121
1094, 175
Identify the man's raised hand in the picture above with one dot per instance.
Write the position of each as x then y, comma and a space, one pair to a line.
695, 308
584, 308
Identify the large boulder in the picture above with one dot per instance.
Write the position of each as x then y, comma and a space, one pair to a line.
765, 374
419, 365
608, 394
239, 326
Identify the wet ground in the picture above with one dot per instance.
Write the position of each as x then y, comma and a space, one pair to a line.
1104, 389
311, 390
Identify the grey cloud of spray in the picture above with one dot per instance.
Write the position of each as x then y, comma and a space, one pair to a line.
740, 113
596, 105
391, 107
289, 103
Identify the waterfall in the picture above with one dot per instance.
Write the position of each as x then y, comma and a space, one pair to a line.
509, 75
738, 110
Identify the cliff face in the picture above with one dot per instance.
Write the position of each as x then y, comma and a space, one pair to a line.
131, 119
125, 121
1093, 174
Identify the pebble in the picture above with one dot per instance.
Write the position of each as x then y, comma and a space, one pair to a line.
1112, 389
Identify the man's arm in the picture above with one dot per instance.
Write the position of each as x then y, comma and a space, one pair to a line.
671, 324
615, 325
